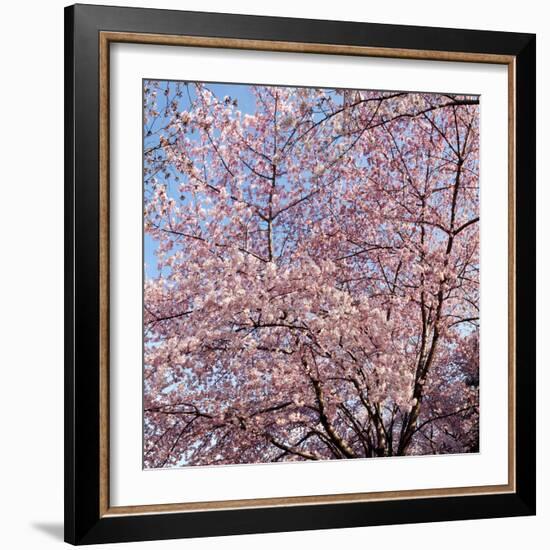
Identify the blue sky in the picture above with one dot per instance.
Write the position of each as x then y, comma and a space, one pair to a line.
246, 104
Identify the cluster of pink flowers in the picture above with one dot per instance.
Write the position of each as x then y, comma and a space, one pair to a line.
316, 286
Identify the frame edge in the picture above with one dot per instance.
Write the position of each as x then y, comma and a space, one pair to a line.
83, 527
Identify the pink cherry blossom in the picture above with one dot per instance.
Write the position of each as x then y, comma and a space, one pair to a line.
316, 289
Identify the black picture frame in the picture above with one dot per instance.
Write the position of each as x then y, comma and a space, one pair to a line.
84, 523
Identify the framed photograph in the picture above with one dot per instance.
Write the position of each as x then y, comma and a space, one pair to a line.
300, 274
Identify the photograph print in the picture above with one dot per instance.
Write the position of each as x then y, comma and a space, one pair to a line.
311, 274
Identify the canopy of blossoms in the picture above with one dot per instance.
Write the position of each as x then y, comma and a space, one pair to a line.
314, 293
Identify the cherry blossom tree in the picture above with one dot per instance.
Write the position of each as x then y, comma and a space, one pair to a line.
315, 293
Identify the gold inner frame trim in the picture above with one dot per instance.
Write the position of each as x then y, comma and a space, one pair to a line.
105, 39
